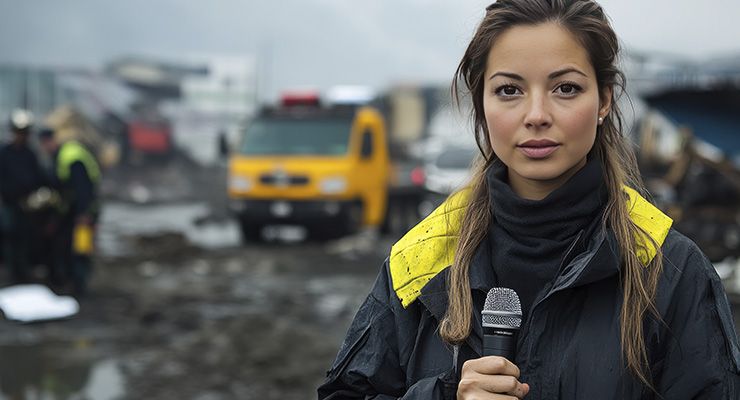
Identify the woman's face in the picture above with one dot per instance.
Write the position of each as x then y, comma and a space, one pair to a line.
542, 106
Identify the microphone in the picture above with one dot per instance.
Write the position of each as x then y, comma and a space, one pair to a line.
502, 317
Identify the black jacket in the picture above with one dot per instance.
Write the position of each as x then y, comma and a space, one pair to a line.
568, 347
20, 174
79, 191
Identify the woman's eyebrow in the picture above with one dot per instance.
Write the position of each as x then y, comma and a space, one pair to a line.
564, 71
508, 75
552, 75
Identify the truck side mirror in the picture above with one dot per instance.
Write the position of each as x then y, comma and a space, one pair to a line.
366, 151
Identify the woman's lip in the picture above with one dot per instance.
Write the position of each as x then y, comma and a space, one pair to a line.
538, 151
539, 143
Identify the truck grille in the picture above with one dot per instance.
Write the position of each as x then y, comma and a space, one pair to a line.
283, 180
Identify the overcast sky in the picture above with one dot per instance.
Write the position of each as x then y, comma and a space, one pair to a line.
323, 42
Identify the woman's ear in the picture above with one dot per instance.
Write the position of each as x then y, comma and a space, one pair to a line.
605, 101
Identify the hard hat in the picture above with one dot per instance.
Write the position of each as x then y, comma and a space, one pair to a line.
21, 120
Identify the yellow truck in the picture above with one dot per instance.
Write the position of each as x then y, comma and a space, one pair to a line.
300, 163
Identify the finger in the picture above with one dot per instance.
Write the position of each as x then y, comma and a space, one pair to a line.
473, 391
503, 384
521, 391
493, 365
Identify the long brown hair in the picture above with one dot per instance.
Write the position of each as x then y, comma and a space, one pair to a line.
586, 20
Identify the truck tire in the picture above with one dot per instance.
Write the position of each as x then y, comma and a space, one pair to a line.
353, 219
394, 219
251, 233
349, 223
324, 232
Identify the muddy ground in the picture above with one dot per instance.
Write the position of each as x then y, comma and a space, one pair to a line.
249, 323
179, 309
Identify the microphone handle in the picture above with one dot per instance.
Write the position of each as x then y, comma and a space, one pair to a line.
502, 344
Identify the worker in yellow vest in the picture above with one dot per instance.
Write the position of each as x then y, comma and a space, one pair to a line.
76, 174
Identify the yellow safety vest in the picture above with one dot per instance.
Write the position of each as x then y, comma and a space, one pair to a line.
71, 152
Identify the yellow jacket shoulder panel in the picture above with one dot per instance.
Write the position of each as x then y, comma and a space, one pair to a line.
650, 219
429, 247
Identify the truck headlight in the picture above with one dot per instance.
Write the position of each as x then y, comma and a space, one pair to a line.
239, 183
333, 185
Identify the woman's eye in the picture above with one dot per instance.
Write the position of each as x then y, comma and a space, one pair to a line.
569, 89
507, 91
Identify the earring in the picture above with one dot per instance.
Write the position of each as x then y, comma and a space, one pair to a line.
601, 120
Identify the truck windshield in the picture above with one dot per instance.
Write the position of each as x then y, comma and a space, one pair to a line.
326, 137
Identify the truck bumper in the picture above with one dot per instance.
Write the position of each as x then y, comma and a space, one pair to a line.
295, 212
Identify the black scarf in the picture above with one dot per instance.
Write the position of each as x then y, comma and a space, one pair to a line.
529, 238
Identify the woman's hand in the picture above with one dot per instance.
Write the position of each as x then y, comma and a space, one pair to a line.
490, 377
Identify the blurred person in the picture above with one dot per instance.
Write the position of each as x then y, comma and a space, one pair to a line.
20, 176
75, 175
616, 304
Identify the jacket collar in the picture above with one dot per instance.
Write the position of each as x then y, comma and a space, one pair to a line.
599, 260
428, 248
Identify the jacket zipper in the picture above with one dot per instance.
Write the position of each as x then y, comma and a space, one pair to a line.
530, 317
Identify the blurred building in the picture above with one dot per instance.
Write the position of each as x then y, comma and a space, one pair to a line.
218, 102
35, 89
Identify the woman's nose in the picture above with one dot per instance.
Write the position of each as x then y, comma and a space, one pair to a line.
538, 116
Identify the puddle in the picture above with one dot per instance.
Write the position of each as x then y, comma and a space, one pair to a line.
106, 382
58, 372
121, 220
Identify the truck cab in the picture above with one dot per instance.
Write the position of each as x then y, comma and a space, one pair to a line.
304, 163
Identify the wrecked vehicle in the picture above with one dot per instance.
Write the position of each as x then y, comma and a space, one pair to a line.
689, 155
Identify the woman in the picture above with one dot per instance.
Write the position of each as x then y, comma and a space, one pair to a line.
616, 304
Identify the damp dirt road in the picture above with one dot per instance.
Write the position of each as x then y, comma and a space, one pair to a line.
187, 312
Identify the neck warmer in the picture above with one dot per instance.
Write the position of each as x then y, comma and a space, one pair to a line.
529, 238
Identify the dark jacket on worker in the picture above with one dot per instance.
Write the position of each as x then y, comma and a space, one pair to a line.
20, 174
569, 343
77, 175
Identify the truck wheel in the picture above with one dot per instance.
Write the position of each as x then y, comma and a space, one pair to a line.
394, 223
349, 223
324, 233
353, 219
250, 233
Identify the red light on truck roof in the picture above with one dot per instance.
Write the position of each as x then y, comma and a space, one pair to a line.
300, 98
418, 176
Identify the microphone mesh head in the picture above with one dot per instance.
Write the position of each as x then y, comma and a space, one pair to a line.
502, 309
